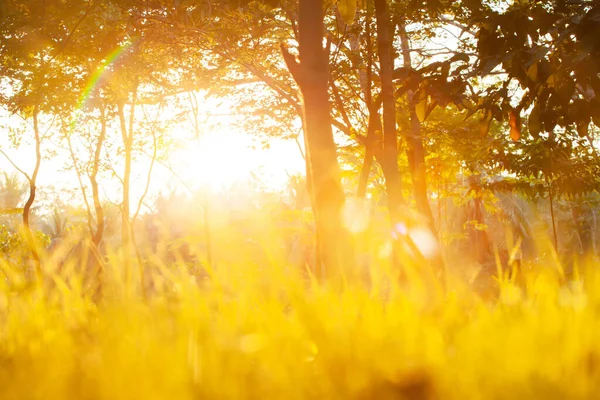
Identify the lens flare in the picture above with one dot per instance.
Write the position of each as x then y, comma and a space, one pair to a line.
355, 215
425, 241
97, 76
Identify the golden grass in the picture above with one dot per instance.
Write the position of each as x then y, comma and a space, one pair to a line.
263, 334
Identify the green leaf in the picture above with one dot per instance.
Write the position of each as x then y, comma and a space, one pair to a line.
430, 107
532, 72
486, 121
534, 123
514, 121
421, 106
401, 73
583, 127
347, 10
489, 65
460, 57
421, 109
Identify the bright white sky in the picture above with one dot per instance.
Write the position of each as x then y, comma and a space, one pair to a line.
220, 157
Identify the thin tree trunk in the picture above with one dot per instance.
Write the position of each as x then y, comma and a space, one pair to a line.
79, 174
32, 190
142, 274
312, 75
552, 217
367, 165
415, 153
549, 180
127, 138
99, 232
415, 150
374, 119
207, 232
128, 159
593, 234
389, 161
31, 180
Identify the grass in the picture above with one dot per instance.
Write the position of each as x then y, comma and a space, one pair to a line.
254, 333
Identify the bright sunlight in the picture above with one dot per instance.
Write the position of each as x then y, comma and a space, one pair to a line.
221, 159
299, 199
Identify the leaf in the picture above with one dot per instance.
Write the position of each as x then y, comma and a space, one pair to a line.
430, 107
534, 123
596, 120
484, 125
514, 121
347, 10
532, 72
431, 67
421, 106
463, 102
460, 57
489, 65
421, 110
583, 127
401, 73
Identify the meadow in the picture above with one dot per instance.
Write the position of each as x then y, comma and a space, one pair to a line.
255, 332
299, 199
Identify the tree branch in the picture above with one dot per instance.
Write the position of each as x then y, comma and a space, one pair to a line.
292, 64
15, 165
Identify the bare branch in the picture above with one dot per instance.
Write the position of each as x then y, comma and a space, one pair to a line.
80, 181
15, 165
150, 169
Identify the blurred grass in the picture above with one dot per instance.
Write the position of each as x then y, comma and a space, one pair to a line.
263, 332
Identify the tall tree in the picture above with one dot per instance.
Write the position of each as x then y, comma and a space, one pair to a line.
415, 149
389, 162
311, 73
33, 37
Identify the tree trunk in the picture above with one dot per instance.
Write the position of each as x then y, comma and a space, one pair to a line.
312, 76
552, 216
374, 118
32, 188
415, 150
374, 125
389, 160
125, 206
99, 232
79, 174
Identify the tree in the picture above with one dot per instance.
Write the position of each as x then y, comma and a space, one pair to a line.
389, 160
311, 73
549, 51
36, 83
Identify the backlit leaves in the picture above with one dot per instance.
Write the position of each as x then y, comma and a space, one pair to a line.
514, 121
532, 72
347, 10
551, 51
583, 127
421, 106
534, 122
484, 125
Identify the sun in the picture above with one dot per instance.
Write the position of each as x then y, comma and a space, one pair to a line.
216, 160
221, 158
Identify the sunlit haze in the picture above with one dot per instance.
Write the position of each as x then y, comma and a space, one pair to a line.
307, 199
218, 157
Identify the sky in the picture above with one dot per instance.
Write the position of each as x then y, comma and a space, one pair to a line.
222, 155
